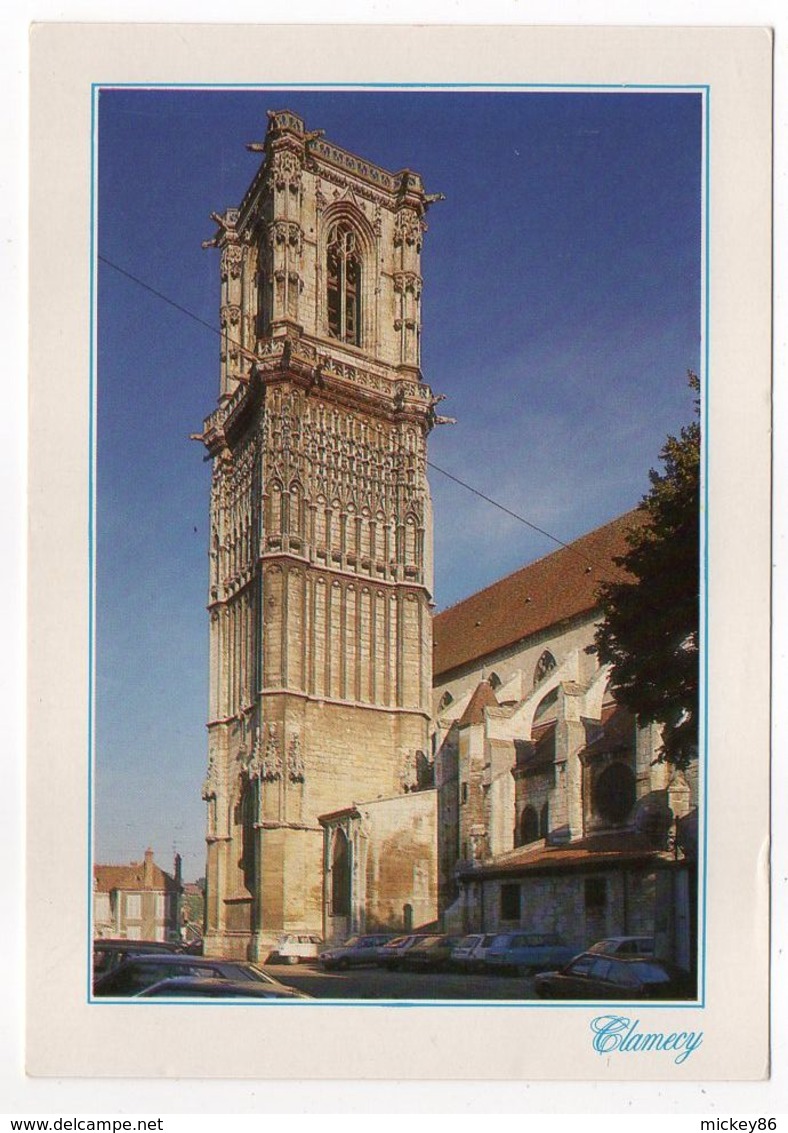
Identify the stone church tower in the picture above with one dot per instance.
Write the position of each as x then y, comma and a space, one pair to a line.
320, 554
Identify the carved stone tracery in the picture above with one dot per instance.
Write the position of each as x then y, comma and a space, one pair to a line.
408, 228
231, 262
271, 763
295, 761
286, 170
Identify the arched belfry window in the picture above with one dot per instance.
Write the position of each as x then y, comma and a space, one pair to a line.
344, 284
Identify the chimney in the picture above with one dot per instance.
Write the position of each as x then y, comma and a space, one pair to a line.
147, 875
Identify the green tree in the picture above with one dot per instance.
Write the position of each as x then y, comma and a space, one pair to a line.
650, 632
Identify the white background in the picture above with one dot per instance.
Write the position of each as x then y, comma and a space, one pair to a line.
19, 1095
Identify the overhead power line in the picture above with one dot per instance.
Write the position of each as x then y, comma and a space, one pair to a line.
450, 476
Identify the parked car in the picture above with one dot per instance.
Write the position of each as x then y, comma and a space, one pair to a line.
293, 947
199, 987
110, 952
392, 954
519, 953
592, 975
139, 972
433, 953
469, 954
356, 952
624, 946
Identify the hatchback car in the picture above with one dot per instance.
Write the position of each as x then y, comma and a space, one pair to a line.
293, 947
469, 954
108, 953
433, 953
198, 987
595, 976
139, 972
624, 946
522, 952
356, 952
392, 954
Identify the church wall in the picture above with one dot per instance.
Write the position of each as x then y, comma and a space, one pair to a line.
401, 868
393, 843
556, 903
518, 658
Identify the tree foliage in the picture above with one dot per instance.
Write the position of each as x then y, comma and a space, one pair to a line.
650, 632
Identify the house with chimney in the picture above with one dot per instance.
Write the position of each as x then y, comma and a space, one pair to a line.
138, 901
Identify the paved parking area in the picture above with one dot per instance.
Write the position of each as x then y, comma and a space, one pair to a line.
377, 983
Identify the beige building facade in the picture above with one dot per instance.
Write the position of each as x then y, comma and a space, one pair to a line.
138, 901
380, 866
321, 527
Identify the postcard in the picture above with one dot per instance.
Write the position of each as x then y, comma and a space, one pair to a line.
399, 552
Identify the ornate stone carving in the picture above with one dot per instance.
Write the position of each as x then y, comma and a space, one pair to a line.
295, 761
286, 170
281, 232
407, 281
408, 228
210, 785
271, 764
231, 262
230, 316
408, 775
353, 164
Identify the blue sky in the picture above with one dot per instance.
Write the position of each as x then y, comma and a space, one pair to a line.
561, 311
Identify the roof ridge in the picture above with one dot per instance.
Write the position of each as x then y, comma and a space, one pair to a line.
543, 558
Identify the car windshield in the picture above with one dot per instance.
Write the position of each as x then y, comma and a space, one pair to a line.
252, 972
581, 966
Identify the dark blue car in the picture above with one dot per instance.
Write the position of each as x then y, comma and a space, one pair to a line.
518, 953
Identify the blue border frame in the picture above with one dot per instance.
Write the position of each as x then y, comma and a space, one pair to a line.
622, 88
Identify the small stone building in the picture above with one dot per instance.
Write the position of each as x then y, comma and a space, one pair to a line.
379, 866
556, 813
138, 901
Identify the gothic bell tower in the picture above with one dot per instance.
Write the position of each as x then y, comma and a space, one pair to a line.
321, 529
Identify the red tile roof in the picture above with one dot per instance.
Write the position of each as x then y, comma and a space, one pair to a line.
483, 697
129, 877
596, 851
544, 593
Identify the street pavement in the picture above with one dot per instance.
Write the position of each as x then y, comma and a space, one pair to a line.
377, 983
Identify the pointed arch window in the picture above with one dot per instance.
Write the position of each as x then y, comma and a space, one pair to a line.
344, 284
529, 826
544, 665
340, 876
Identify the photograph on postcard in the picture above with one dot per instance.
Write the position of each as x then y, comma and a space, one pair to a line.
404, 386
402, 684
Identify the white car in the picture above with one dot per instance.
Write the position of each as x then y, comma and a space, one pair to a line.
293, 947
470, 952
